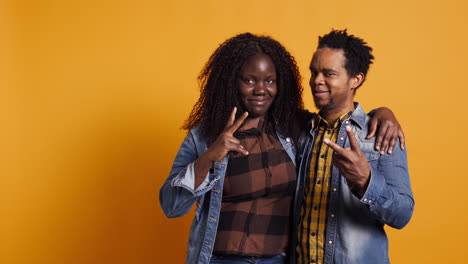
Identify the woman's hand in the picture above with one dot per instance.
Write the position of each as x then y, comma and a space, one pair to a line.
225, 143
388, 130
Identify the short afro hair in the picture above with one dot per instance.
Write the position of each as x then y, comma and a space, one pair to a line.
356, 51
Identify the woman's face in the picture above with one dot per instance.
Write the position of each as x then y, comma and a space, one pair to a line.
257, 85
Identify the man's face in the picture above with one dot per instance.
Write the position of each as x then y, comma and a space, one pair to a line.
332, 87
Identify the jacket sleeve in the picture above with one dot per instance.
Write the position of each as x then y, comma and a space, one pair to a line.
388, 195
177, 195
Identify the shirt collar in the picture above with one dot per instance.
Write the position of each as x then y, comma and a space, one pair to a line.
357, 116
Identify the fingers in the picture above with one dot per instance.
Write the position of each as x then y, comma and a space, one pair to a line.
337, 148
387, 137
234, 144
224, 144
239, 148
238, 123
397, 133
372, 128
392, 144
352, 139
401, 135
380, 137
231, 119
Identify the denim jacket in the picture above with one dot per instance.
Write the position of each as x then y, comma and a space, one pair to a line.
177, 195
355, 226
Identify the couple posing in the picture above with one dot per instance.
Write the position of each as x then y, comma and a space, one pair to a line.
274, 183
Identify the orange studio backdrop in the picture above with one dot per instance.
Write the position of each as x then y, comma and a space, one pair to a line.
93, 94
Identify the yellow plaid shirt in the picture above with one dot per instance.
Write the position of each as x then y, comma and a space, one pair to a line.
311, 232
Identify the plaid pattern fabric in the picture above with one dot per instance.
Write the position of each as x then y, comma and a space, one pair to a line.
311, 232
257, 195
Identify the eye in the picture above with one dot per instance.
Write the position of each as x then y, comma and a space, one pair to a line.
270, 81
330, 73
249, 80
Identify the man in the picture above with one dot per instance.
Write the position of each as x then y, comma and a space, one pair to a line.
350, 191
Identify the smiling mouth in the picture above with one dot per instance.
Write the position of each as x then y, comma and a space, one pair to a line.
320, 93
259, 101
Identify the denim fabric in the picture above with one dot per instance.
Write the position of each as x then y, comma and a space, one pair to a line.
278, 259
177, 198
355, 226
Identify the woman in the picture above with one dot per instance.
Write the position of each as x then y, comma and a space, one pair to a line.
238, 159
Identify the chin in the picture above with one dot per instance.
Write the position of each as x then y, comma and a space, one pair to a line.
320, 105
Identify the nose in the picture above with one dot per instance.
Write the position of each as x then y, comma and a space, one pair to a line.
317, 79
259, 88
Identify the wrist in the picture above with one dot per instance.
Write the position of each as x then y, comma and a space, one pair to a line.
359, 187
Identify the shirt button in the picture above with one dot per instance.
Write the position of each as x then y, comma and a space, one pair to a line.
318, 182
341, 138
365, 199
312, 261
288, 139
370, 201
322, 156
346, 122
328, 132
315, 208
330, 242
312, 234
332, 215
334, 189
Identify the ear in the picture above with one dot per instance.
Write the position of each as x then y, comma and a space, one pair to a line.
357, 80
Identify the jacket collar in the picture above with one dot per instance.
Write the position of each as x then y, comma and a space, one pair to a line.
358, 117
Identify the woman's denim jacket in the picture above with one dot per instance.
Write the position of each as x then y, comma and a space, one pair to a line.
355, 226
177, 195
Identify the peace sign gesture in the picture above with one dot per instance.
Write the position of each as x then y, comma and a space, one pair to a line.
352, 163
226, 141
220, 148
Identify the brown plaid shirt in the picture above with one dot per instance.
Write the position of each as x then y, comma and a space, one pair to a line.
257, 195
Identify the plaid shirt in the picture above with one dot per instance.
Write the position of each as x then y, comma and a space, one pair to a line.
311, 232
257, 195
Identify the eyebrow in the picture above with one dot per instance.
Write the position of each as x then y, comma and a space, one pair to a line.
324, 70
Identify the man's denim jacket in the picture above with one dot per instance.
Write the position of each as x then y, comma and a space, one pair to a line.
355, 226
177, 195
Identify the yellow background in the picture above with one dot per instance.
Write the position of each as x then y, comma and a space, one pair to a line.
92, 95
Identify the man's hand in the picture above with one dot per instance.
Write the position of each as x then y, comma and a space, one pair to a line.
388, 130
352, 163
225, 143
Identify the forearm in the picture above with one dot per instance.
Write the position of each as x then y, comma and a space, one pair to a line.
178, 193
388, 194
202, 167
175, 198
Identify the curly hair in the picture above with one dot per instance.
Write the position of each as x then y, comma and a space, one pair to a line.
356, 51
219, 87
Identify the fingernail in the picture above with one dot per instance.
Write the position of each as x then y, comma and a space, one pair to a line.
326, 141
377, 147
348, 128
390, 152
382, 152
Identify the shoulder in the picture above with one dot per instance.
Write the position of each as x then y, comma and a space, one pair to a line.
300, 123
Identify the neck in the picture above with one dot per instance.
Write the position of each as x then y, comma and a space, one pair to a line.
331, 115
